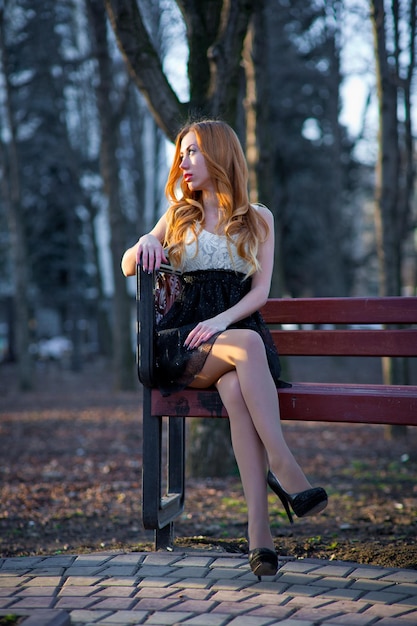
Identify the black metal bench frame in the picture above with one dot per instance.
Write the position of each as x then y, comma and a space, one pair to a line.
163, 486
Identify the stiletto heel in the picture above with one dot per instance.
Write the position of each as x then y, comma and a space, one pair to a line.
308, 502
263, 562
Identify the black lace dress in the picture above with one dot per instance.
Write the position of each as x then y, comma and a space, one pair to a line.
205, 293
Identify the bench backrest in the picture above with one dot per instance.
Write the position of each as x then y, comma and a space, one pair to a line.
344, 326
336, 326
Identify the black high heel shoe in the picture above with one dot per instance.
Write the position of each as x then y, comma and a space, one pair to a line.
263, 562
308, 502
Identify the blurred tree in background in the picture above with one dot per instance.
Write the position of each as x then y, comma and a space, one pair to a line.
93, 91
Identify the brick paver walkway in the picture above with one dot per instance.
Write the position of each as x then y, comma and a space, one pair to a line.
202, 589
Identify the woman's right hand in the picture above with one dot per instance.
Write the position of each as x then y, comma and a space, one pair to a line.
150, 253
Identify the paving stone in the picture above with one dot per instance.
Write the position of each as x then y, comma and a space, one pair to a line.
207, 620
56, 561
368, 572
317, 614
232, 585
167, 619
9, 579
162, 559
223, 572
115, 592
233, 608
229, 562
71, 603
302, 590
302, 567
402, 621
385, 610
156, 604
44, 581
127, 559
192, 583
194, 561
5, 603
7, 591
76, 590
291, 622
116, 603
248, 620
84, 616
401, 576
91, 560
156, 582
234, 596
154, 571
343, 594
352, 619
188, 572
271, 611
409, 601
382, 596
294, 578
124, 618
85, 581
196, 606
46, 617
83, 570
42, 602
19, 563
334, 581
332, 570
37, 591
372, 585
158, 592
192, 594
119, 570
119, 581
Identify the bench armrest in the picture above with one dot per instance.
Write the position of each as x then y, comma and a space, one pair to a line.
155, 293
145, 325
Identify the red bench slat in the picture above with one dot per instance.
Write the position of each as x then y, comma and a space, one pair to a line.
323, 402
394, 310
346, 342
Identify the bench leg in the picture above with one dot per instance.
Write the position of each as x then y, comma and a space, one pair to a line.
164, 537
159, 510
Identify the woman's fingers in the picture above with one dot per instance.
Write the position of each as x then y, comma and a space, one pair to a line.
150, 253
202, 332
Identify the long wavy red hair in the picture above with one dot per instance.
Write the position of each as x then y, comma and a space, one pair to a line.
228, 170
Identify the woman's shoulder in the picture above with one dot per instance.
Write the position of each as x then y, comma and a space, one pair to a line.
263, 210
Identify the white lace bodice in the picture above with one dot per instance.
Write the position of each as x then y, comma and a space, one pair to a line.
213, 252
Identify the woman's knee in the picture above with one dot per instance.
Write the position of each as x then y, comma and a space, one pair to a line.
250, 342
229, 389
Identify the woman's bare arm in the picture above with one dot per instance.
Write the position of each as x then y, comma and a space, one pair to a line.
148, 250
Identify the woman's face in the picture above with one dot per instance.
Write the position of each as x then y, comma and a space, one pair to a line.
193, 165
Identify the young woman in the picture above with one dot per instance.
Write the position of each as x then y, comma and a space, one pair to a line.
214, 334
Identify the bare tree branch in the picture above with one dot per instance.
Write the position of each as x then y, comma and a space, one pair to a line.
144, 65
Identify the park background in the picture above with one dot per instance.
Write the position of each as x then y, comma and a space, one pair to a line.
323, 97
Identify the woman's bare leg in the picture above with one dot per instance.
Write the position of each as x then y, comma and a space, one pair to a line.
251, 459
243, 351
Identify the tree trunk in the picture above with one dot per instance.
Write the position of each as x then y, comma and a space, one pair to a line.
392, 198
121, 322
387, 170
12, 192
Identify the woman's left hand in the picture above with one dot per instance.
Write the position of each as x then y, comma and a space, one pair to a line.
203, 331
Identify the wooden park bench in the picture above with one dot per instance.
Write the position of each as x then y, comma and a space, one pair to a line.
334, 332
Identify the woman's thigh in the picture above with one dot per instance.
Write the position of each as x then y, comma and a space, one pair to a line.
231, 346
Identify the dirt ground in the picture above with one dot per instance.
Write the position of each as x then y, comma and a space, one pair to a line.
70, 480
